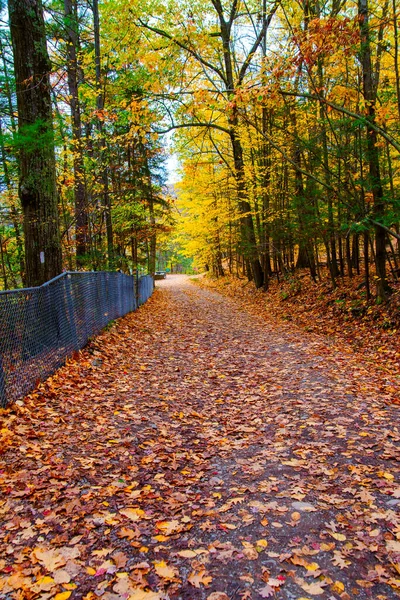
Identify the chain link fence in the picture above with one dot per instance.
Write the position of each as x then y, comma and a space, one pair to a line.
41, 326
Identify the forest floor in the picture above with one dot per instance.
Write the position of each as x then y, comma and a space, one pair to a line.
196, 450
343, 314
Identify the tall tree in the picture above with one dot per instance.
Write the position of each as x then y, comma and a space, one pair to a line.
81, 218
225, 73
37, 179
375, 181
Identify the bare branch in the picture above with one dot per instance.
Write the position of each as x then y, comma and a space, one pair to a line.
185, 47
194, 124
256, 44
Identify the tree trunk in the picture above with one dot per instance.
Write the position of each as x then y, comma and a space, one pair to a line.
81, 218
374, 183
153, 236
248, 236
37, 179
103, 166
13, 209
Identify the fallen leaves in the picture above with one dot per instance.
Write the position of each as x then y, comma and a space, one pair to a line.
200, 578
393, 546
169, 527
338, 536
134, 514
166, 572
259, 462
314, 588
51, 559
249, 551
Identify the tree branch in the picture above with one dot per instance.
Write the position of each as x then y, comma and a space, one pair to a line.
185, 47
256, 44
347, 112
389, 231
195, 124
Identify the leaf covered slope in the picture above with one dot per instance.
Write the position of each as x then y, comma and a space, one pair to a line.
194, 451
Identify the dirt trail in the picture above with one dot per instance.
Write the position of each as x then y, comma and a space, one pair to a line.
195, 449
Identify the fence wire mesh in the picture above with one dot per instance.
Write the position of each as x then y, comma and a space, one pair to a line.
40, 327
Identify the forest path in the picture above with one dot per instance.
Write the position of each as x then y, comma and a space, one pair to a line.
196, 451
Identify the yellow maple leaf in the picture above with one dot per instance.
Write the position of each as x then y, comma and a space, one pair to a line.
44, 584
168, 527
166, 572
134, 514
50, 559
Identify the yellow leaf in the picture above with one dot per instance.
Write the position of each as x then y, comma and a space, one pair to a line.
338, 536
164, 571
62, 596
90, 571
44, 584
168, 527
374, 532
50, 559
296, 516
327, 547
386, 475
134, 514
261, 545
312, 566
338, 587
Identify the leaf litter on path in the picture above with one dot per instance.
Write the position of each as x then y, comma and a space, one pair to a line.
195, 451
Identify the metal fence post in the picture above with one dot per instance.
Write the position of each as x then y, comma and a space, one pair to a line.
70, 312
3, 394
